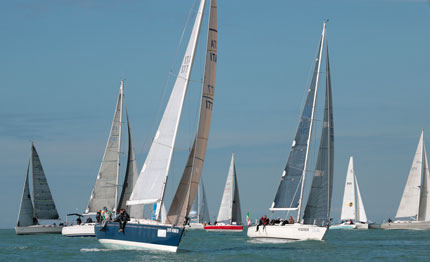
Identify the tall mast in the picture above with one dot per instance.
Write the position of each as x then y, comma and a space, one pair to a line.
311, 123
121, 94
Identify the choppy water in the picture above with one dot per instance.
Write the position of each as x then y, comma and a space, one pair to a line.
198, 245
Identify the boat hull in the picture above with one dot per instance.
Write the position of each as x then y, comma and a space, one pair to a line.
146, 236
227, 228
289, 231
411, 225
38, 229
350, 226
192, 226
82, 230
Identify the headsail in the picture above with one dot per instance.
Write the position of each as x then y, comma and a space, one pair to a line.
349, 204
290, 190
229, 210
105, 191
361, 213
130, 179
188, 186
199, 212
424, 207
409, 204
43, 203
317, 209
26, 212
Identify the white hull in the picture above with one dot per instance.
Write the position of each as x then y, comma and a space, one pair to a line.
350, 226
412, 225
82, 230
289, 231
38, 229
194, 226
122, 244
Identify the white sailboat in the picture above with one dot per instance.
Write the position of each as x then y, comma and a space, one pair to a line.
44, 206
353, 215
415, 202
105, 190
229, 215
289, 196
159, 233
199, 214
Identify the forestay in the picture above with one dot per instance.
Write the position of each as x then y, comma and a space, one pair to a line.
26, 212
105, 191
43, 203
188, 186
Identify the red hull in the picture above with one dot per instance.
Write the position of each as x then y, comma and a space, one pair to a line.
224, 228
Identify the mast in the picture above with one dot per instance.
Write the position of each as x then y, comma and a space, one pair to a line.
121, 94
151, 184
311, 123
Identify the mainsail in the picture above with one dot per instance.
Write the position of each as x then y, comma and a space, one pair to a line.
409, 205
188, 186
43, 203
229, 210
349, 204
290, 191
317, 209
26, 212
105, 191
130, 179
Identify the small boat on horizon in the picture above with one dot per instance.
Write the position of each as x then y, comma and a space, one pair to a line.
229, 215
353, 215
44, 205
415, 202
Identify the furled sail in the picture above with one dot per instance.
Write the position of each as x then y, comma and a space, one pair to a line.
317, 209
409, 204
105, 191
188, 186
229, 210
131, 175
290, 188
26, 212
349, 204
424, 207
43, 203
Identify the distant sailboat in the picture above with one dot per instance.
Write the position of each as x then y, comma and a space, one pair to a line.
199, 214
353, 215
289, 196
415, 202
229, 215
44, 206
105, 190
159, 233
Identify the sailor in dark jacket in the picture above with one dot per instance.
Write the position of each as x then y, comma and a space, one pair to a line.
122, 218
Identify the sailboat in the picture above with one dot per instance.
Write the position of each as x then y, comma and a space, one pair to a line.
353, 215
199, 214
415, 202
229, 215
105, 190
44, 206
289, 196
161, 233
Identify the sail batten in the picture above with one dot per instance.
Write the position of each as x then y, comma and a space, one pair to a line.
44, 205
105, 190
190, 180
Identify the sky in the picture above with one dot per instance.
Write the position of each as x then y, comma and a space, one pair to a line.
62, 62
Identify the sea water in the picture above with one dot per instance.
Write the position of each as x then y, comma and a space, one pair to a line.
198, 245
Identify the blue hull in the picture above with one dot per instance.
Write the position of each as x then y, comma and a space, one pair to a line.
158, 237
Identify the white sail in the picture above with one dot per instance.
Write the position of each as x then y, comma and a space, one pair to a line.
229, 210
361, 213
150, 186
26, 212
105, 191
424, 207
409, 203
348, 203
